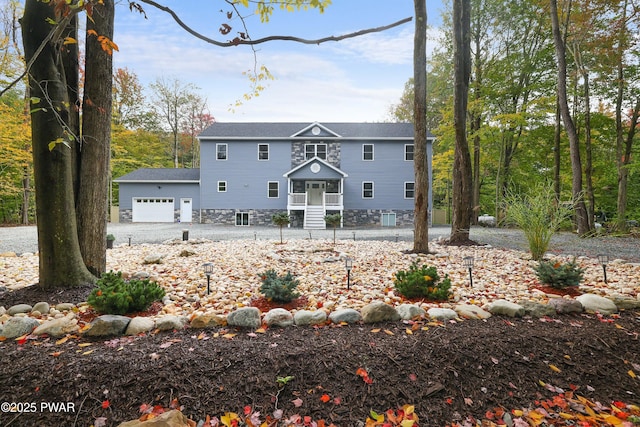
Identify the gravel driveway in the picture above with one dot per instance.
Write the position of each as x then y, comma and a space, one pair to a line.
24, 238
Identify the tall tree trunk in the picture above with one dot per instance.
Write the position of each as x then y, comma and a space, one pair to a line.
421, 168
622, 160
476, 121
60, 261
92, 200
581, 220
588, 168
556, 152
462, 173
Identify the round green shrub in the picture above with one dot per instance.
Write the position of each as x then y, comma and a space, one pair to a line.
422, 282
114, 295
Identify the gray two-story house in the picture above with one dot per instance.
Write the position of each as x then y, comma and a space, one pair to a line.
249, 171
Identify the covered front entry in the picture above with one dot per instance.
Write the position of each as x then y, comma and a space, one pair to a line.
315, 192
315, 188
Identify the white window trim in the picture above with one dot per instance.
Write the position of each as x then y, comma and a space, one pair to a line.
268, 153
225, 186
405, 189
388, 215
242, 213
226, 151
372, 190
315, 150
372, 153
405, 152
269, 189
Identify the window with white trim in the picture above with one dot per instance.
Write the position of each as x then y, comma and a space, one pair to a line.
408, 152
242, 219
388, 219
273, 191
221, 151
315, 150
367, 189
263, 151
367, 152
222, 186
409, 190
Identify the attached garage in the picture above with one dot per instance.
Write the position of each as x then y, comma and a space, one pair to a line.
145, 209
159, 195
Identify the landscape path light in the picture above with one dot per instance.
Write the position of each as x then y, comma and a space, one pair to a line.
354, 236
604, 260
129, 239
468, 263
348, 264
208, 269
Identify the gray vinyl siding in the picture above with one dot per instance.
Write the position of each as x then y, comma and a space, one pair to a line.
166, 190
247, 177
388, 171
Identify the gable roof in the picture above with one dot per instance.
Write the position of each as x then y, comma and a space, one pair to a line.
315, 160
161, 174
292, 130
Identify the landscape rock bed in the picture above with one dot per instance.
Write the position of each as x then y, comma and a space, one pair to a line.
450, 368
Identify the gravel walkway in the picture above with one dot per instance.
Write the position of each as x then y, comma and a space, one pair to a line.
24, 239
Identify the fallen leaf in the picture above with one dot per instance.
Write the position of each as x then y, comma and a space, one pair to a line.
228, 336
375, 331
468, 401
388, 332
56, 353
631, 373
86, 353
337, 400
100, 422
325, 398
554, 368
297, 402
408, 331
105, 404
84, 344
62, 340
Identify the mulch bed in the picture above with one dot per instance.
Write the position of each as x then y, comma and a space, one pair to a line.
449, 371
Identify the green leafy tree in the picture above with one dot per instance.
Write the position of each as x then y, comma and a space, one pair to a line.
281, 219
334, 221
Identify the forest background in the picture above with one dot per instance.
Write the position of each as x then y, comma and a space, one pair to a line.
516, 142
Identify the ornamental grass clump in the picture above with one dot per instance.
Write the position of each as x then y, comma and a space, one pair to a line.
114, 295
422, 282
279, 288
538, 214
559, 275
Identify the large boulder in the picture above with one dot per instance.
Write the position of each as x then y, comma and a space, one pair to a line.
443, 314
345, 315
245, 317
18, 326
378, 312
107, 325
506, 308
409, 311
278, 317
470, 311
139, 325
597, 304
307, 317
58, 327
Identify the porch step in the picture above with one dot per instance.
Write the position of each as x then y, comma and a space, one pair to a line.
314, 218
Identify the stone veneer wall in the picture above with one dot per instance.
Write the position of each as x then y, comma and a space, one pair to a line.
297, 152
260, 217
373, 217
125, 215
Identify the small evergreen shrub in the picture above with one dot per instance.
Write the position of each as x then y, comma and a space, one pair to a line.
422, 281
279, 288
559, 276
114, 295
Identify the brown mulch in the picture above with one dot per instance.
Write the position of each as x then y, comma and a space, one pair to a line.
449, 371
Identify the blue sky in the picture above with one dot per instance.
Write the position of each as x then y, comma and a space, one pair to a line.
351, 80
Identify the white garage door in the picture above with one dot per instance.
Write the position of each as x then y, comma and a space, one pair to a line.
147, 209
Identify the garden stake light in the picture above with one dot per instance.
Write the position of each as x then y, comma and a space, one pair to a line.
468, 263
354, 236
255, 235
129, 239
396, 237
604, 260
208, 269
348, 264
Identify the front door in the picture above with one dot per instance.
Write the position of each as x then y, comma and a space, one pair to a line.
186, 210
315, 192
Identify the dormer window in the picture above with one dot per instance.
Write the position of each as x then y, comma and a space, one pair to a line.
315, 150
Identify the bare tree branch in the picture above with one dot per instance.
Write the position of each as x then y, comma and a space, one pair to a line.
238, 41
